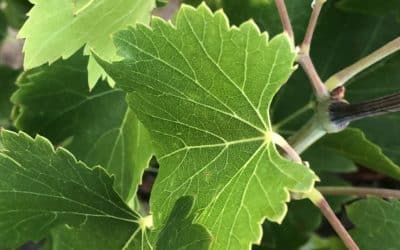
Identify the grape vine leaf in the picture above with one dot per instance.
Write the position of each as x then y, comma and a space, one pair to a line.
41, 187
53, 22
207, 110
7, 87
96, 126
376, 222
178, 233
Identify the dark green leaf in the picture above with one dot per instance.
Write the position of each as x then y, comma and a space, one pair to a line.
96, 125
41, 187
353, 144
376, 222
179, 232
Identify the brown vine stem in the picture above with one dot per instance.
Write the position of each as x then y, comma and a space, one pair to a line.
283, 14
312, 131
341, 77
361, 191
317, 6
316, 197
304, 59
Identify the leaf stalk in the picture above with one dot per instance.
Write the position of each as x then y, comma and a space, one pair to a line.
283, 14
361, 191
341, 77
317, 6
318, 200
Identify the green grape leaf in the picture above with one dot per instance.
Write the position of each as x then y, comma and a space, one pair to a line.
15, 11
96, 126
82, 23
178, 233
376, 222
41, 187
207, 110
353, 144
7, 87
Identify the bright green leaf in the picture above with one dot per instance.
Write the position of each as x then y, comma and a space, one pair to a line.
7, 87
95, 126
207, 110
41, 187
55, 29
376, 222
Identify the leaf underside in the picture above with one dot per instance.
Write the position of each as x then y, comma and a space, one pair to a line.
207, 110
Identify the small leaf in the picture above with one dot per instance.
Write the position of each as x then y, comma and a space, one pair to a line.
41, 187
376, 222
96, 126
53, 22
203, 91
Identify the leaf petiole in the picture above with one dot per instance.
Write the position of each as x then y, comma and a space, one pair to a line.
361, 191
318, 200
341, 77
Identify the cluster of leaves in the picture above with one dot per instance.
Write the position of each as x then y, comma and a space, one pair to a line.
200, 95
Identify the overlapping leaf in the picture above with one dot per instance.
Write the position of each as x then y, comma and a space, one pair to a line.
376, 222
41, 187
58, 28
96, 126
203, 91
178, 233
